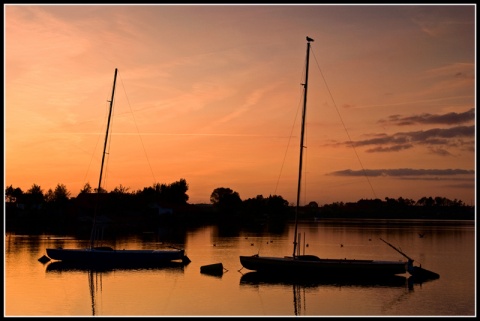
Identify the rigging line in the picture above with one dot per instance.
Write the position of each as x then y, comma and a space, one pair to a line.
105, 177
288, 144
138, 132
344, 127
96, 144
107, 152
93, 154
293, 126
305, 163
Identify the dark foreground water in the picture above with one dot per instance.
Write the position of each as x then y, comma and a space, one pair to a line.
447, 248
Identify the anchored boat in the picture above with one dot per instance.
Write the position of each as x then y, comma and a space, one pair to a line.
107, 255
311, 265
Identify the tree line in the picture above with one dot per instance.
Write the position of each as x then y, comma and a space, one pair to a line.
164, 202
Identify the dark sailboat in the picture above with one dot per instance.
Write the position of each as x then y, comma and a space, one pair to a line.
102, 255
308, 266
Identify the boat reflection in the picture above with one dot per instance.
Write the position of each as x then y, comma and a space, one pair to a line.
301, 285
94, 285
258, 278
59, 266
95, 273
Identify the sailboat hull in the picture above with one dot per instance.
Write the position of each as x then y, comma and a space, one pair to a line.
111, 256
313, 266
106, 255
258, 278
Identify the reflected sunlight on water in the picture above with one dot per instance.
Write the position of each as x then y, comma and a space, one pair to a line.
53, 289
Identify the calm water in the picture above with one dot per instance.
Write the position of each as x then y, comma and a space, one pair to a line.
447, 248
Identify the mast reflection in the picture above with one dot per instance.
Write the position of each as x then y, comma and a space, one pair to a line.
300, 285
95, 273
94, 281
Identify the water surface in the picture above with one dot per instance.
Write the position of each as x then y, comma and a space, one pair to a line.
447, 248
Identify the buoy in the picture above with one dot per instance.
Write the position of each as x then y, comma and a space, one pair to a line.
214, 269
44, 259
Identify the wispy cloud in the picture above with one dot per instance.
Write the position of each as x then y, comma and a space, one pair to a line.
438, 140
459, 137
444, 119
403, 172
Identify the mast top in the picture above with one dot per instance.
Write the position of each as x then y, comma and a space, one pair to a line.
309, 39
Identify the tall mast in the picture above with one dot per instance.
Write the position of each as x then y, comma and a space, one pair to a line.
106, 135
92, 238
305, 86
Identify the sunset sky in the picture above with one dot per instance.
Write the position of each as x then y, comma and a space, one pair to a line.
213, 94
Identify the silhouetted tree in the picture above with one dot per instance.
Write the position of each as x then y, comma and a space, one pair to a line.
49, 197
173, 194
61, 194
426, 201
87, 189
277, 207
176, 193
407, 201
458, 202
225, 200
120, 189
441, 201
99, 190
57, 202
13, 194
313, 204
34, 197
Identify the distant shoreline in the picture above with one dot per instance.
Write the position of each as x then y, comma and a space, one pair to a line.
78, 222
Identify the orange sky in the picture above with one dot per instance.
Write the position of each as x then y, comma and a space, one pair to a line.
212, 94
